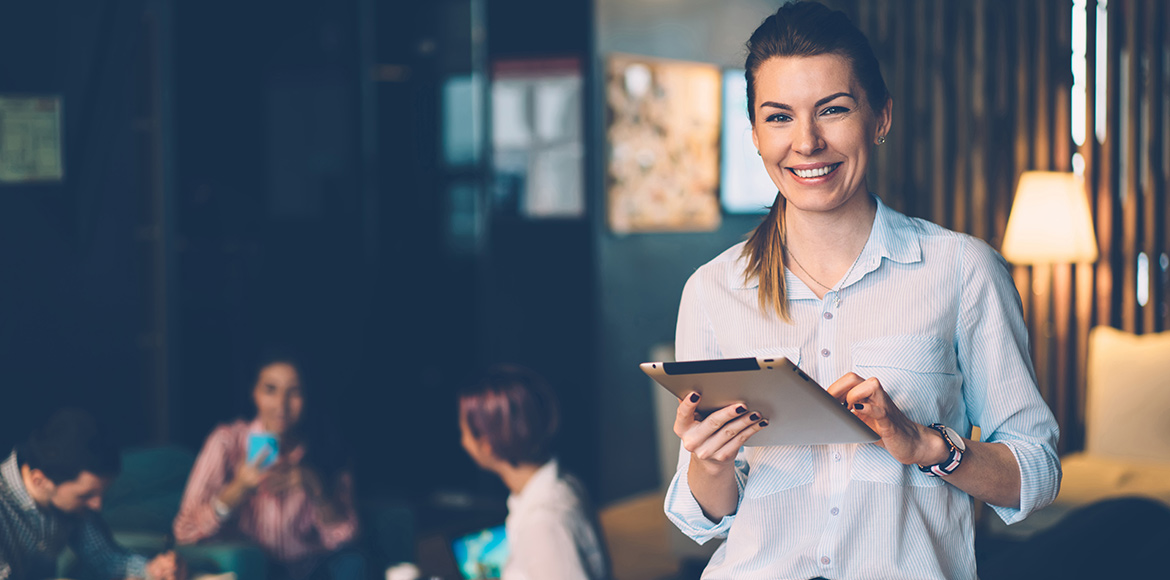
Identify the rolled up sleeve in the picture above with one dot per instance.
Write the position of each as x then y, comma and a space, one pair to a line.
1000, 382
684, 511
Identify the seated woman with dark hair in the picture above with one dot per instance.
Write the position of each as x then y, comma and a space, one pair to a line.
299, 509
508, 420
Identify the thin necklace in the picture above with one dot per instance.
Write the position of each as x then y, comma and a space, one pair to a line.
837, 301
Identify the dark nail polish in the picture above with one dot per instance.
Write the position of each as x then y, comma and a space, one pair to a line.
755, 417
740, 410
763, 423
694, 397
859, 406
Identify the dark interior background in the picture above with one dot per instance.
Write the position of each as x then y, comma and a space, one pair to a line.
248, 175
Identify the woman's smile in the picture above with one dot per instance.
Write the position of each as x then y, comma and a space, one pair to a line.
814, 171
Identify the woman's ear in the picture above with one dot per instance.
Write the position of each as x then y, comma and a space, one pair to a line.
885, 119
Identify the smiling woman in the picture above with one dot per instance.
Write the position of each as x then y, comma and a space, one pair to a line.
916, 328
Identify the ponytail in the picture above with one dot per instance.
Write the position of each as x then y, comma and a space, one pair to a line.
764, 251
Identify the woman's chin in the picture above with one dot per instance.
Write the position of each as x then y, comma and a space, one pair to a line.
277, 428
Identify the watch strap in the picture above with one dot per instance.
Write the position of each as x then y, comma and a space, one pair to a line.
221, 509
951, 463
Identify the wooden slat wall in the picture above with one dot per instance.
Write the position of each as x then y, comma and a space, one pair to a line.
981, 94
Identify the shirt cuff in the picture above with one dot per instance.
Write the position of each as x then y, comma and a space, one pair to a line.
684, 511
136, 566
1039, 479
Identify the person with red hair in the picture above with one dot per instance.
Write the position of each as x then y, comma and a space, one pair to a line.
509, 419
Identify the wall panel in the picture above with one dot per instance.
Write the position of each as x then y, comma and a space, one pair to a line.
982, 93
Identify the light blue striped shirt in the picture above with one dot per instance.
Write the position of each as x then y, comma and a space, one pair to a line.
935, 316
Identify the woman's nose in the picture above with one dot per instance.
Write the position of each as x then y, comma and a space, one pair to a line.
808, 138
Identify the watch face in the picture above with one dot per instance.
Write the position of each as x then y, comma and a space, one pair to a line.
956, 438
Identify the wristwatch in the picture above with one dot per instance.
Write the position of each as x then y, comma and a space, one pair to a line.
221, 509
955, 445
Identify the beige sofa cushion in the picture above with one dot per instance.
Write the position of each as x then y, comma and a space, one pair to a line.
1089, 478
1128, 407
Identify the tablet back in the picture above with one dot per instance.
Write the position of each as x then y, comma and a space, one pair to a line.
798, 410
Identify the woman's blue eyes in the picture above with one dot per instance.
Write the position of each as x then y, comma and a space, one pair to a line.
781, 118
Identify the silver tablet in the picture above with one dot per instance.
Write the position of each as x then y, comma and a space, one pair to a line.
798, 410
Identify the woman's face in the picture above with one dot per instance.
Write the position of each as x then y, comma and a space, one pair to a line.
814, 129
278, 397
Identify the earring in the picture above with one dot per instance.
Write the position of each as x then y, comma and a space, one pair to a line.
881, 139
758, 153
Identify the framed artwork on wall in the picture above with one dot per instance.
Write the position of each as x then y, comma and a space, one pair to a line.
662, 132
31, 140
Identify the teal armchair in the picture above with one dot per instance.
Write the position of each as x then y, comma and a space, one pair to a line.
140, 505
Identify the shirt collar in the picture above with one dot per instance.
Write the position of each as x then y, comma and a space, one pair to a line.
10, 474
893, 236
543, 479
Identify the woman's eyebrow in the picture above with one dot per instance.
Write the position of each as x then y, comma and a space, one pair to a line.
824, 100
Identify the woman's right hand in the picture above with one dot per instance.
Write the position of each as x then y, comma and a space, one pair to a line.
715, 440
248, 477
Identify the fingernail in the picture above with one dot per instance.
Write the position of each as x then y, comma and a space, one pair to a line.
763, 423
694, 397
740, 410
755, 417
859, 406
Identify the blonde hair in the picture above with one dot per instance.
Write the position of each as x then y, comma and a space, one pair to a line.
764, 252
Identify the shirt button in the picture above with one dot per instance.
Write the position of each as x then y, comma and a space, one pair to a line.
825, 560
824, 352
836, 456
828, 316
835, 511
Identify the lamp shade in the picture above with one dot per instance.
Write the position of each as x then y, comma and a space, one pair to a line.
1050, 221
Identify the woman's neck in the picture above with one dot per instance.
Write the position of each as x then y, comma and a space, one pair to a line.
836, 234
515, 477
825, 245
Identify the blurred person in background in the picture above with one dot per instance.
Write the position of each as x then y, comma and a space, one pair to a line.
508, 421
297, 506
51, 490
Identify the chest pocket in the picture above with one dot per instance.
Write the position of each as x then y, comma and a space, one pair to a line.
920, 374
777, 468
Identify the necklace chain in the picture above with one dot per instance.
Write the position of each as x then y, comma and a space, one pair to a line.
784, 242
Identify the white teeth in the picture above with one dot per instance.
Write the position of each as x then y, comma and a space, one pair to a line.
809, 173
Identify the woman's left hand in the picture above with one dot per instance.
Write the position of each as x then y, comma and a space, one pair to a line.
283, 477
907, 441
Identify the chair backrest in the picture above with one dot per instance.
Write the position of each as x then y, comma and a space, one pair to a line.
1128, 399
145, 497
